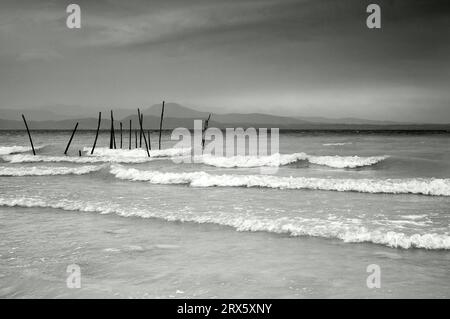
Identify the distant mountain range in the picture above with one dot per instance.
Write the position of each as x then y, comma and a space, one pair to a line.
64, 117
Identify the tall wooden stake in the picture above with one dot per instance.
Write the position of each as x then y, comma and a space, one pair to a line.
149, 142
204, 130
140, 131
71, 137
120, 135
111, 132
129, 142
141, 120
96, 134
29, 135
160, 125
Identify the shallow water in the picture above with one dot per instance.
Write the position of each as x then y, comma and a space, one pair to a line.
211, 230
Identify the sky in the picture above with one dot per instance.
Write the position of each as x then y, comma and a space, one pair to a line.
283, 57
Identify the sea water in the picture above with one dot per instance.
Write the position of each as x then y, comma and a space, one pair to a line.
221, 227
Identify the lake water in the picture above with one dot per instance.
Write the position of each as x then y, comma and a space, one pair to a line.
226, 227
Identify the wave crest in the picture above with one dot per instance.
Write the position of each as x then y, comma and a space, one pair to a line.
313, 227
136, 153
29, 158
346, 161
140, 156
276, 160
337, 144
422, 186
6, 150
44, 170
101, 155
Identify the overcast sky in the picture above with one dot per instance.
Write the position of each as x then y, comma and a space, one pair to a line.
286, 57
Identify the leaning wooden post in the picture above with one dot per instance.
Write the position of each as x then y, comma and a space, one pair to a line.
204, 130
71, 137
96, 134
141, 119
120, 135
160, 125
129, 142
29, 135
79, 152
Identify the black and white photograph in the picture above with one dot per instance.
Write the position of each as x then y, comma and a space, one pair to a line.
225, 149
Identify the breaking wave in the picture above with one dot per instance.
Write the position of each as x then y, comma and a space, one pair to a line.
337, 144
44, 170
313, 227
5, 150
140, 156
29, 158
422, 186
285, 159
346, 161
138, 152
101, 155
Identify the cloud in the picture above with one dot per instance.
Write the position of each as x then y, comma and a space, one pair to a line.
172, 24
302, 56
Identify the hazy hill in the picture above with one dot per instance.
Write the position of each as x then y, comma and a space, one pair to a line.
174, 110
175, 115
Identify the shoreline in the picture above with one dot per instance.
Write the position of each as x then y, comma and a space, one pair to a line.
122, 257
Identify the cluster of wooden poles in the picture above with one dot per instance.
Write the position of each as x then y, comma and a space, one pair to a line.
112, 136
112, 139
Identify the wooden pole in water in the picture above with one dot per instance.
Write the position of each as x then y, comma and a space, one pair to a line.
79, 152
135, 138
149, 142
143, 132
204, 130
160, 125
112, 141
111, 132
129, 142
96, 134
29, 135
141, 120
120, 135
71, 137
140, 131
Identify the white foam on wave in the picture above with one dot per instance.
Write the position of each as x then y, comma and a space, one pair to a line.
414, 217
345, 161
101, 155
45, 170
337, 144
428, 186
275, 160
29, 158
138, 152
140, 156
5, 150
314, 227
